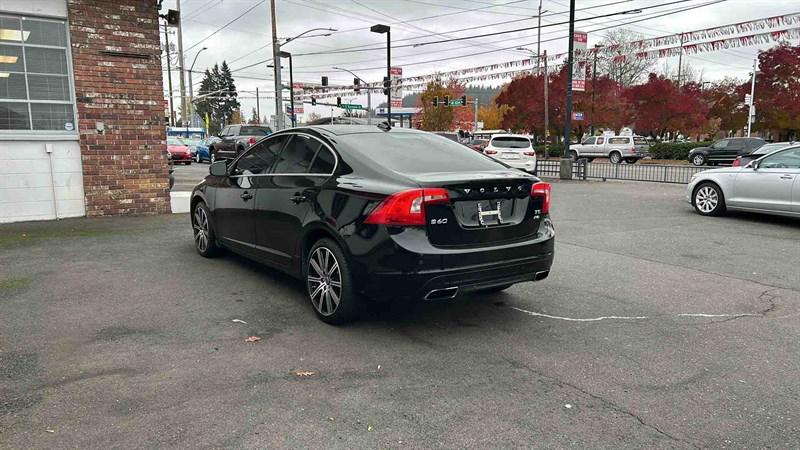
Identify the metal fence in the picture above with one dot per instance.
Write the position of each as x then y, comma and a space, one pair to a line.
658, 173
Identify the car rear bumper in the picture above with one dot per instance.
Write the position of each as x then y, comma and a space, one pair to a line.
528, 165
415, 269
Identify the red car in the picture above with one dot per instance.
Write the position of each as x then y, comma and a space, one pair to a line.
179, 152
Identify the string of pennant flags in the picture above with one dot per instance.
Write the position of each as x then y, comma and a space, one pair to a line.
685, 43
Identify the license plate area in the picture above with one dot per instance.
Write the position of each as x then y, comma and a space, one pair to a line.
488, 213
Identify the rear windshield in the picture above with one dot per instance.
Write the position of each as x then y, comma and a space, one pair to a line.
255, 131
417, 152
619, 140
640, 141
511, 142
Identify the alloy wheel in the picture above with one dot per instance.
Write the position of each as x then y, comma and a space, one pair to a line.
201, 230
698, 160
615, 158
706, 199
324, 281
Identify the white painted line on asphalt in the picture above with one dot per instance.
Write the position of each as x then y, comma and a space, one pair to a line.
598, 319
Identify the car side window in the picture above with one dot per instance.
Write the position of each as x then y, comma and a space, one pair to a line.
588, 141
233, 131
297, 155
789, 159
224, 131
601, 141
736, 145
257, 161
324, 161
720, 144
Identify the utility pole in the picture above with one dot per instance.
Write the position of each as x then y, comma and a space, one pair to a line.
570, 62
180, 61
539, 37
369, 105
476, 115
680, 62
258, 106
276, 59
546, 108
169, 76
291, 89
750, 111
594, 80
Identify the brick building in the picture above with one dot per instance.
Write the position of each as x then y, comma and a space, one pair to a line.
81, 109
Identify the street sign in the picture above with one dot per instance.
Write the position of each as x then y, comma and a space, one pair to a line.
579, 66
577, 115
298, 89
350, 106
454, 103
748, 99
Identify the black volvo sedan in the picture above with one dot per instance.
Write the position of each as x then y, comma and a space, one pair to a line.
359, 212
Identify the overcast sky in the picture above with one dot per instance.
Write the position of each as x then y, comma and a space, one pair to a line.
241, 42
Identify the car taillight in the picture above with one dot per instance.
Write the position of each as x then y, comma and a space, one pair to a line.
406, 207
529, 153
737, 162
542, 189
251, 140
490, 152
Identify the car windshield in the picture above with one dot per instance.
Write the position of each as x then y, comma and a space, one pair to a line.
255, 131
174, 141
417, 153
769, 148
511, 142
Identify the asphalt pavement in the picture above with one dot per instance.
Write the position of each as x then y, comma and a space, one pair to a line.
657, 328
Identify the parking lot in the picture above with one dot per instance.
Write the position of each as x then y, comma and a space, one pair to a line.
656, 328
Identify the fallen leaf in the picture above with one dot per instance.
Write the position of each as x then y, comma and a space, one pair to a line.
253, 339
50, 431
369, 428
238, 321
305, 373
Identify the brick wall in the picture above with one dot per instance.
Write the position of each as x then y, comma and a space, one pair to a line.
116, 59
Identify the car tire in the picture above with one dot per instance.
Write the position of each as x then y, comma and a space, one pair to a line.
325, 266
615, 158
205, 240
698, 159
708, 199
495, 289
573, 155
631, 160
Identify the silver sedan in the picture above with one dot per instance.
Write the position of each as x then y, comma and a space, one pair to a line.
770, 184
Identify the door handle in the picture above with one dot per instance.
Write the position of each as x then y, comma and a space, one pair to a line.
787, 177
246, 195
297, 199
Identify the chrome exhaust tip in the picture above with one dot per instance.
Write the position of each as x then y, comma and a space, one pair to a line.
541, 275
442, 294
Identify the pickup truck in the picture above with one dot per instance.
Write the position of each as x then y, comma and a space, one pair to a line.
616, 148
234, 139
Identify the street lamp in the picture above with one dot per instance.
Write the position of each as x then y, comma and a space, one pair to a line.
276, 50
369, 92
191, 87
381, 29
283, 54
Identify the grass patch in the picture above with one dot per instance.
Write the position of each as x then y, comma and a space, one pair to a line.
14, 284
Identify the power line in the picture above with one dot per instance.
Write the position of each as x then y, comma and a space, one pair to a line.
224, 26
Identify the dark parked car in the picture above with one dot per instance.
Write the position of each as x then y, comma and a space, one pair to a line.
362, 213
235, 139
724, 151
743, 160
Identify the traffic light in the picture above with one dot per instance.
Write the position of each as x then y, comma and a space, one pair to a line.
313, 101
338, 101
463, 100
446, 100
324, 81
356, 84
436, 101
387, 85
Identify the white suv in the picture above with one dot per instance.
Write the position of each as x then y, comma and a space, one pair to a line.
514, 150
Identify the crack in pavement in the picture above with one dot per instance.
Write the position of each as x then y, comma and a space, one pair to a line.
598, 319
605, 402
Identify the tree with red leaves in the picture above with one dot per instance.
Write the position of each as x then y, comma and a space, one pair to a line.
660, 106
777, 98
725, 100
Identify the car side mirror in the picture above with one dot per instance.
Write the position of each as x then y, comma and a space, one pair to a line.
219, 168
752, 165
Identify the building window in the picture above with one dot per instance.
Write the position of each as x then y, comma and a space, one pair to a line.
35, 87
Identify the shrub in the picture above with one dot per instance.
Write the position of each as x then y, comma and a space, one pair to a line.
554, 150
672, 150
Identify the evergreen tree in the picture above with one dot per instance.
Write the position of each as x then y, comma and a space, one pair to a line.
253, 117
229, 102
